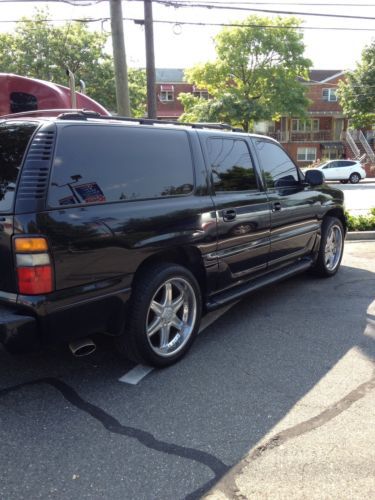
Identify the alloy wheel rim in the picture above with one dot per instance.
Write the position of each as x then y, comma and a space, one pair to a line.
333, 248
355, 178
171, 317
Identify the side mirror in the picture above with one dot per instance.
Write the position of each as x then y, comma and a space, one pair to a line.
314, 177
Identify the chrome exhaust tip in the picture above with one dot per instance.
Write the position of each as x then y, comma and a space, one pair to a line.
82, 347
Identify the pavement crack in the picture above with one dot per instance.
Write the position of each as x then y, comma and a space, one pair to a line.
227, 484
112, 425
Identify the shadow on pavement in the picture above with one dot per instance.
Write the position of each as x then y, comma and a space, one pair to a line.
178, 432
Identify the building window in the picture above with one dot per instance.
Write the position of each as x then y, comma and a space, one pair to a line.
202, 94
329, 95
166, 95
306, 154
305, 125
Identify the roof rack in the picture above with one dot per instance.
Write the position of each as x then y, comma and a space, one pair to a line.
84, 115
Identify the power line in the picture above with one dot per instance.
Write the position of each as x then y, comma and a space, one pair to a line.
234, 25
215, 2
184, 3
188, 23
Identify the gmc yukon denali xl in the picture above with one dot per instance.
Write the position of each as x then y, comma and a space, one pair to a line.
135, 228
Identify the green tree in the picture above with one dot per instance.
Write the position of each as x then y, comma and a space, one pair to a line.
357, 93
40, 50
255, 74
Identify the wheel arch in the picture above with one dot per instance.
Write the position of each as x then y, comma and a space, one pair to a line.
339, 214
188, 257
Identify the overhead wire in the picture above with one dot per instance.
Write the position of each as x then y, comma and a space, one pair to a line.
184, 3
189, 23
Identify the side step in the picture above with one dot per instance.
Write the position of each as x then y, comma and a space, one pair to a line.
238, 292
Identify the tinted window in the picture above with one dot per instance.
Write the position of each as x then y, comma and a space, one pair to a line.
14, 139
279, 170
99, 163
231, 165
20, 101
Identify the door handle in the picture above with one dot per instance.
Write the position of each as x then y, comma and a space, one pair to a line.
276, 207
229, 214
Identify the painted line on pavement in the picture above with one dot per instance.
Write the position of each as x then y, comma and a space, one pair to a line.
136, 374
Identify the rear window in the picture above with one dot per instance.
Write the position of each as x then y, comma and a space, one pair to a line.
101, 163
14, 139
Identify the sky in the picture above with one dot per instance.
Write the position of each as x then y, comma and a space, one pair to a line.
181, 46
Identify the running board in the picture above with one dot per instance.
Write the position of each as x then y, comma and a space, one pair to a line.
238, 292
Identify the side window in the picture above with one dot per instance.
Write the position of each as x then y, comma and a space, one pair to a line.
346, 163
279, 170
21, 101
104, 163
334, 164
231, 165
14, 140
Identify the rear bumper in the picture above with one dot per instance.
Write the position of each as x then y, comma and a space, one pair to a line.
18, 333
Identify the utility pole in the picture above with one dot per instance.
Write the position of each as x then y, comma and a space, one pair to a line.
119, 58
150, 60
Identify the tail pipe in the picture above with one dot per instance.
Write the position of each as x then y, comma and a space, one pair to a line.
82, 347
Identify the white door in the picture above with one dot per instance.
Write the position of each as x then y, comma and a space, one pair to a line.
331, 171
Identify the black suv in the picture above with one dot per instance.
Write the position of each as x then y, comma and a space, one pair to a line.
135, 228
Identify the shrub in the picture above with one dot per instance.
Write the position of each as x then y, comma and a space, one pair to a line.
361, 222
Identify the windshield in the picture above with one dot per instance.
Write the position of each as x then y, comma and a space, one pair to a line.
14, 138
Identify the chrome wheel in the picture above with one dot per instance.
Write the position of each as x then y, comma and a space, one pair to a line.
333, 247
171, 317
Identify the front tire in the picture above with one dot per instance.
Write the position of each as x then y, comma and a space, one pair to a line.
164, 316
331, 248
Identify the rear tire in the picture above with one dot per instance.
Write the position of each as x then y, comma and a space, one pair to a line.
344, 181
354, 178
331, 248
164, 316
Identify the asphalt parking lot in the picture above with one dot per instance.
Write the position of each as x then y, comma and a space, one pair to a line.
359, 198
298, 351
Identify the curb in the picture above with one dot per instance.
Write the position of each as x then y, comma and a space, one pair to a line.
360, 235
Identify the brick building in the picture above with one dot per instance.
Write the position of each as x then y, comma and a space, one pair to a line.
323, 134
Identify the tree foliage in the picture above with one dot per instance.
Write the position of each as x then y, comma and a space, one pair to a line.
40, 50
255, 74
357, 93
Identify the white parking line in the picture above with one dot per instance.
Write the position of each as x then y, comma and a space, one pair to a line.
136, 374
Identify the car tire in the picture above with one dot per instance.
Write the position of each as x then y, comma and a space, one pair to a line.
354, 178
331, 248
163, 316
344, 181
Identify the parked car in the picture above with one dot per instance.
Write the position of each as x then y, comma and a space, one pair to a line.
343, 170
137, 228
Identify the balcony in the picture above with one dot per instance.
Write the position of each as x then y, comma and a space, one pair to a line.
316, 136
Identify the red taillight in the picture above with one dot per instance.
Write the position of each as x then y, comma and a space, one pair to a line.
34, 268
35, 280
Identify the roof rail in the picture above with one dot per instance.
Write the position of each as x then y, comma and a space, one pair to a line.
84, 115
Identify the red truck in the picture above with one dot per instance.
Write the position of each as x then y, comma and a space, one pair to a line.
19, 94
